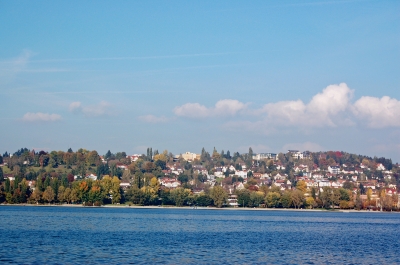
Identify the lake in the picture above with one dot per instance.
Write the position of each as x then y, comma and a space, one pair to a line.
76, 235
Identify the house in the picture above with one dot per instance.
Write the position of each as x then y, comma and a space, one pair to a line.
280, 176
91, 176
134, 157
232, 200
380, 167
334, 169
257, 175
124, 185
239, 186
369, 185
10, 177
241, 173
169, 182
121, 166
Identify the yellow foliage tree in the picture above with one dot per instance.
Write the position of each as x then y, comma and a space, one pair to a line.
161, 157
310, 202
116, 194
301, 185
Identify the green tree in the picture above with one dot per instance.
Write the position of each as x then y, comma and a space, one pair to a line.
7, 186
286, 199
203, 200
273, 199
179, 196
256, 198
46, 182
243, 197
219, 195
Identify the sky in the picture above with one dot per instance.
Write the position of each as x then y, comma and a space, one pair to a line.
183, 75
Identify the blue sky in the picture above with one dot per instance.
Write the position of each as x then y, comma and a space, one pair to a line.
182, 75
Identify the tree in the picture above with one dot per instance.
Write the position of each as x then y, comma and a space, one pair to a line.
1, 175
82, 190
203, 200
160, 163
249, 160
73, 195
48, 194
36, 195
256, 198
179, 196
183, 178
243, 197
286, 199
310, 202
219, 195
108, 155
7, 186
115, 189
326, 197
301, 185
67, 195
273, 199
348, 185
95, 194
61, 194
369, 195
358, 204
297, 198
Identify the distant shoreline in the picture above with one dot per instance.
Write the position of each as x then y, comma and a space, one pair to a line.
191, 208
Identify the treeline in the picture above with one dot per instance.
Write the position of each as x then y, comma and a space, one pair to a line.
54, 190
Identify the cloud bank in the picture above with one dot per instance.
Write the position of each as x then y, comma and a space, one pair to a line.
40, 117
330, 108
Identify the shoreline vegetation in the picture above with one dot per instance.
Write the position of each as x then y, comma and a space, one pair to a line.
304, 181
171, 207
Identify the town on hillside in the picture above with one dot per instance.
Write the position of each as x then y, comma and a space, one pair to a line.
295, 179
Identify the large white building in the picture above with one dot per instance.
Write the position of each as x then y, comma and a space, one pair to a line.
265, 156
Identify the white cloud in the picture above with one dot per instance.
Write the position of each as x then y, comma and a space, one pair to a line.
378, 112
101, 109
40, 117
75, 106
153, 119
192, 110
330, 108
324, 109
225, 107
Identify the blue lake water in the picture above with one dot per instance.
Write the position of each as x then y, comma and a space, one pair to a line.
64, 235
